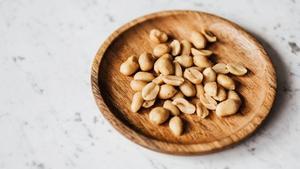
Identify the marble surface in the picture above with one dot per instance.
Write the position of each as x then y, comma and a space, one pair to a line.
48, 117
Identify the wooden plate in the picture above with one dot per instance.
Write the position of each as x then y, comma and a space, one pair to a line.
113, 93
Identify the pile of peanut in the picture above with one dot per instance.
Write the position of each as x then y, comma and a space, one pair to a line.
179, 72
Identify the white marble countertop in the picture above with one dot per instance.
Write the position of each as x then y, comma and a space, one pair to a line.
48, 117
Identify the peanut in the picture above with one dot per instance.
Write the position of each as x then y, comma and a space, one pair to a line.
148, 103
137, 102
177, 69
198, 40
160, 50
226, 82
209, 35
166, 91
173, 80
211, 88
201, 61
186, 47
171, 107
178, 95
130, 66
208, 102
164, 66
150, 91
184, 106
209, 75
202, 52
184, 60
220, 68
199, 90
227, 107
146, 61
193, 75
187, 89
201, 110
221, 94
176, 125
137, 85
175, 47
236, 69
158, 80
158, 36
143, 76
158, 115
234, 95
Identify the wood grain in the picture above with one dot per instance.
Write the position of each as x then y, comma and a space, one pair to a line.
113, 93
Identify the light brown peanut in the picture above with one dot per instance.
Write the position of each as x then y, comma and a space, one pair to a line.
161, 49
187, 89
143, 76
164, 66
150, 91
176, 125
227, 107
158, 36
208, 102
234, 95
202, 52
130, 66
186, 47
137, 102
221, 94
158, 115
177, 69
209, 35
146, 61
202, 61
172, 80
201, 110
184, 106
199, 90
175, 47
184, 60
171, 107
198, 40
148, 103
178, 95
209, 75
225, 81
158, 80
220, 68
166, 91
211, 88
193, 75
137, 85
236, 69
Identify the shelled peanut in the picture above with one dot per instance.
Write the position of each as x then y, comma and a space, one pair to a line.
177, 72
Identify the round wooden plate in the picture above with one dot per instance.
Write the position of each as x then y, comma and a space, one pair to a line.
113, 93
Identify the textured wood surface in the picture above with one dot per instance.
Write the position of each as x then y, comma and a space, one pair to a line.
113, 93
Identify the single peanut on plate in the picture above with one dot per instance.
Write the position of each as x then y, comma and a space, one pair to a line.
130, 66
146, 61
225, 81
227, 107
158, 115
176, 125
236, 69
137, 102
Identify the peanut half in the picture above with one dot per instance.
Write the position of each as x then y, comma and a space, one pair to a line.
193, 75
158, 36
188, 89
146, 61
166, 91
221, 94
220, 68
201, 61
184, 106
209, 75
176, 125
158, 115
150, 91
143, 76
164, 66
184, 60
236, 69
211, 88
173, 80
148, 103
171, 107
130, 66
227, 107
177, 69
175, 47
160, 50
198, 40
186, 47
209, 35
137, 85
226, 82
202, 52
137, 102
208, 102
201, 110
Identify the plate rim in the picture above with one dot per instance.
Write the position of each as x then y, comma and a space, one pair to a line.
177, 148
